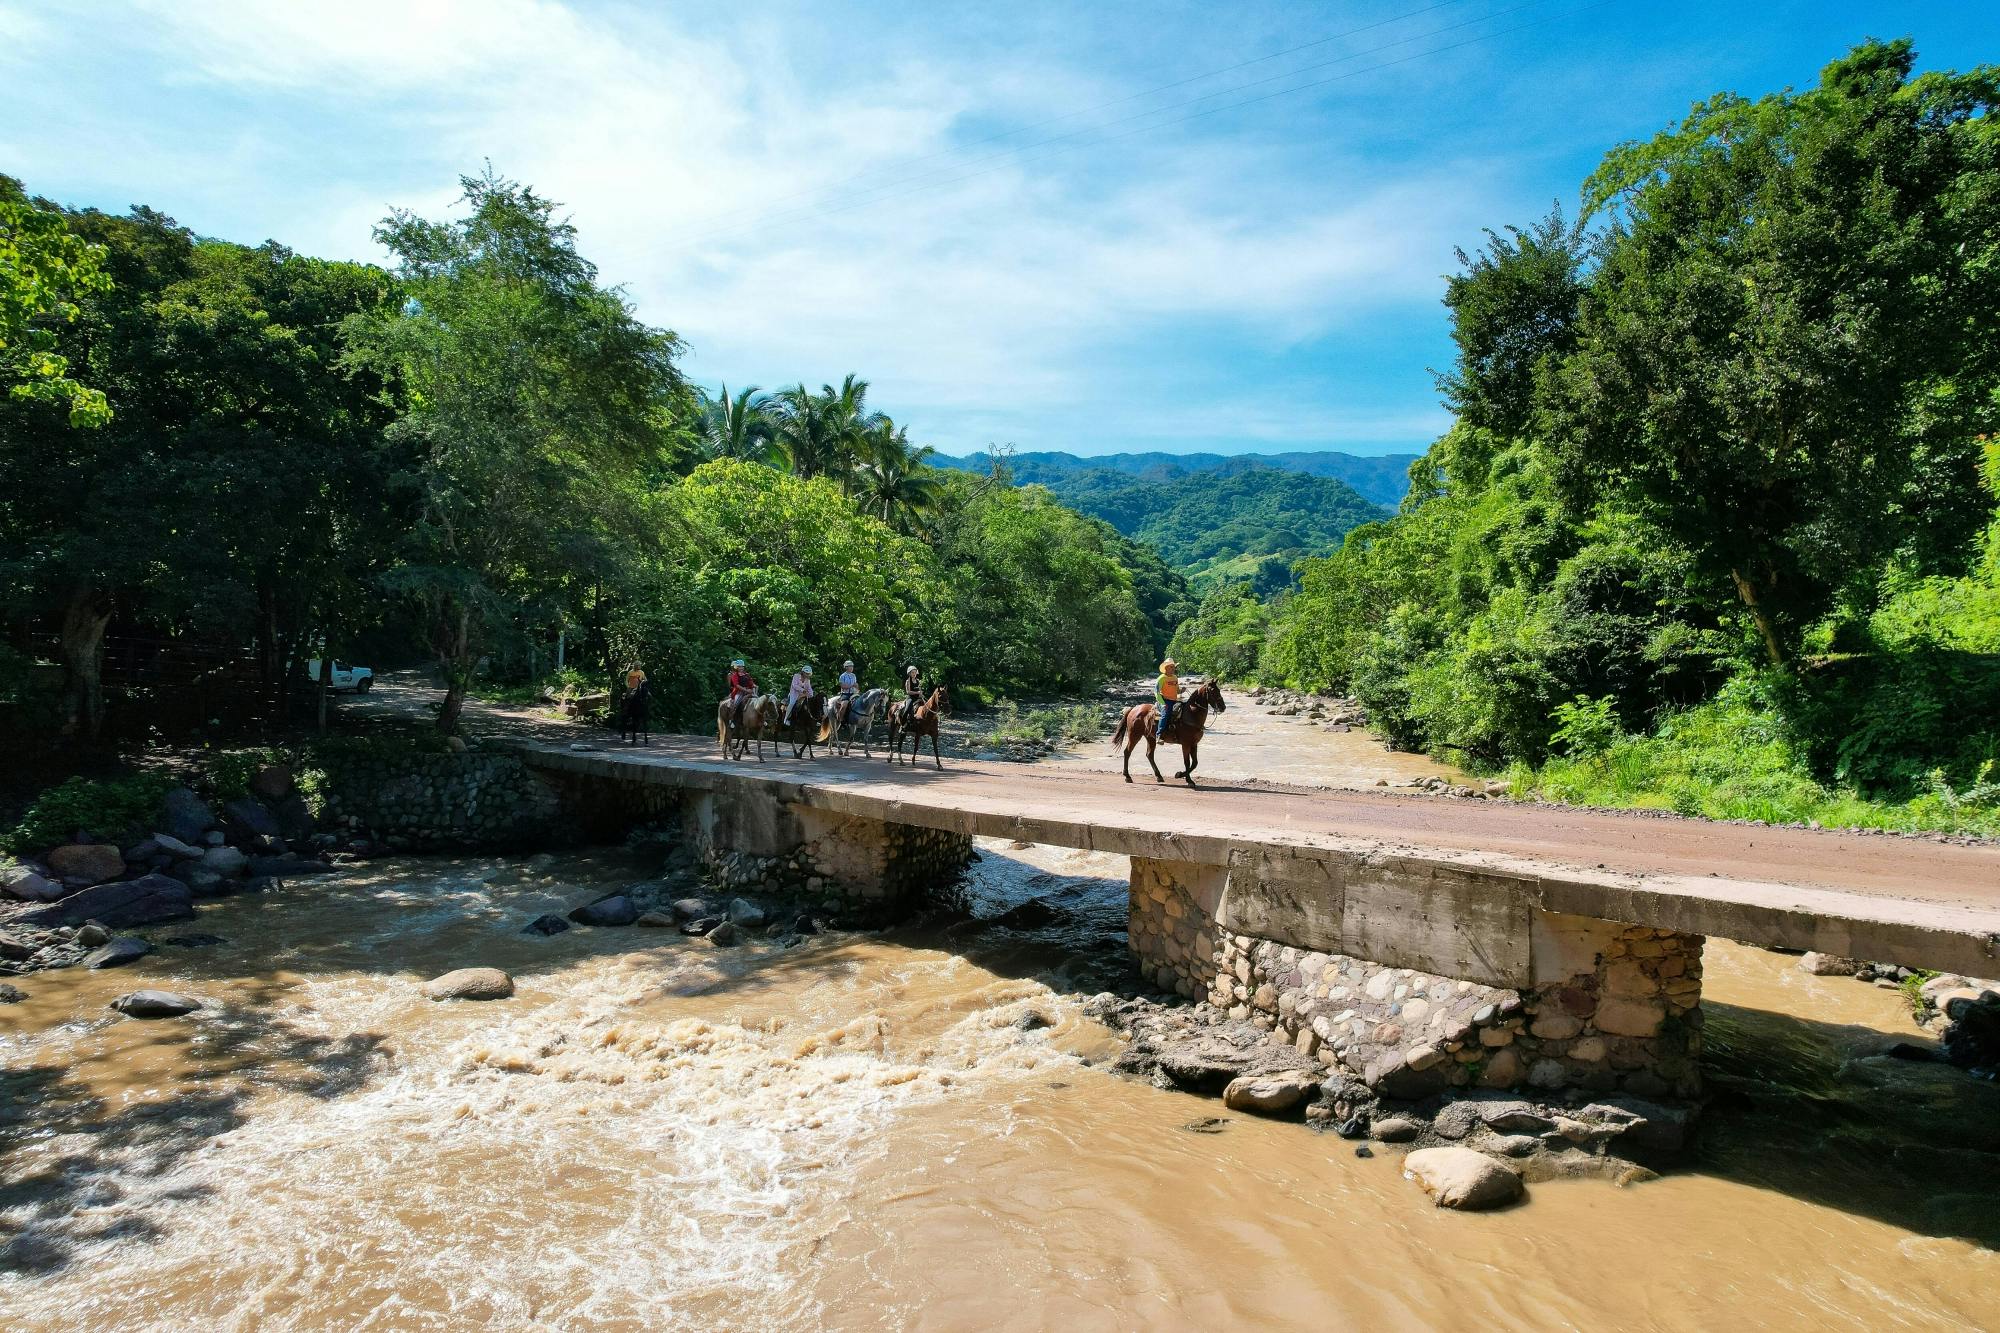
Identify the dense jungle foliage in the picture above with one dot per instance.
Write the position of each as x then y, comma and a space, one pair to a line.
472, 453
1716, 527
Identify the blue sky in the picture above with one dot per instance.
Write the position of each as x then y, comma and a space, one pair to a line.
801, 190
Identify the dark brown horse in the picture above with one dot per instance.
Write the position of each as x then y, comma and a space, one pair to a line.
922, 721
1140, 721
803, 731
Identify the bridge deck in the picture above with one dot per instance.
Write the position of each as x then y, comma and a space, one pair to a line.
1916, 902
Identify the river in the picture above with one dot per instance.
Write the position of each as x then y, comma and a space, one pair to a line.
863, 1132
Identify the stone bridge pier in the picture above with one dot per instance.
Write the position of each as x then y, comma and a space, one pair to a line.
1417, 978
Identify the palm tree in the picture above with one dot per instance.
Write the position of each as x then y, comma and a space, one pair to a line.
740, 427
893, 482
822, 432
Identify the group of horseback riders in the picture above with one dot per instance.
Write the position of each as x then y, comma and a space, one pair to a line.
742, 687
807, 719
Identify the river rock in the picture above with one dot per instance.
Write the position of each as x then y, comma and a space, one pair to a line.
117, 952
272, 782
546, 924
250, 819
657, 919
86, 863
692, 909
11, 994
615, 909
21, 880
1030, 915
1397, 1129
1828, 965
225, 861
175, 848
132, 902
1272, 1095
185, 815
155, 1004
1461, 1178
747, 914
726, 934
471, 983
701, 925
91, 934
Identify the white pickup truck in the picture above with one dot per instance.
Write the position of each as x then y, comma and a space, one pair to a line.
345, 677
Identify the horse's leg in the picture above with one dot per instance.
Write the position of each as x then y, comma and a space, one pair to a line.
934, 752
1152, 762
1189, 758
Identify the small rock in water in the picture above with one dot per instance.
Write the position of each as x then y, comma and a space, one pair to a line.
726, 933
1208, 1124
1032, 1019
701, 926
1461, 1178
806, 925
471, 983
745, 913
1363, 1150
548, 923
90, 935
611, 910
155, 1004
656, 919
1030, 915
11, 994
692, 909
116, 953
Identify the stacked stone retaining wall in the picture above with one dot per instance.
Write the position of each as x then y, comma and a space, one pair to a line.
1612, 1006
431, 802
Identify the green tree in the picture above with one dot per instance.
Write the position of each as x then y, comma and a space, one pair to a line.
894, 481
741, 427
1793, 277
534, 404
45, 269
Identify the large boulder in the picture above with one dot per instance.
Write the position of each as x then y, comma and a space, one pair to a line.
692, 909
185, 815
250, 820
471, 983
85, 863
225, 861
20, 880
1461, 1178
295, 818
117, 952
132, 902
272, 782
174, 847
611, 910
747, 914
155, 1004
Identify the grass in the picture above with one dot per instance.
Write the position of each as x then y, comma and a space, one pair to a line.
1729, 759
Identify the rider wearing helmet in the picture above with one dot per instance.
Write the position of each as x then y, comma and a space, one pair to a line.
802, 689
850, 684
1166, 695
913, 692
741, 687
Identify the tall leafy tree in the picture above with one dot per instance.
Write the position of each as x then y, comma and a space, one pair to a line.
741, 427
1794, 280
534, 402
45, 269
894, 481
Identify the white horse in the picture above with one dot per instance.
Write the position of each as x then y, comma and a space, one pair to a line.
851, 720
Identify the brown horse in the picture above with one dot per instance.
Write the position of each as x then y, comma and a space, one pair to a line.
922, 721
803, 732
760, 720
1185, 730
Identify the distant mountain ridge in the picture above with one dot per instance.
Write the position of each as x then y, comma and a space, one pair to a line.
1381, 479
1241, 520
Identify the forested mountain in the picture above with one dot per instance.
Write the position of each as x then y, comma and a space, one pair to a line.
1243, 522
1381, 480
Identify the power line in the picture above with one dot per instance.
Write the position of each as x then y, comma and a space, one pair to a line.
859, 201
957, 149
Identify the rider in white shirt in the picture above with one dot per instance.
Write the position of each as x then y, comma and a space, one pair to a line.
802, 688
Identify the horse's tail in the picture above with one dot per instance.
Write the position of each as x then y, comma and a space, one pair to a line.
1118, 737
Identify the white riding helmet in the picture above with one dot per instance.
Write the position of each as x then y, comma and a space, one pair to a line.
806, 670
736, 661
910, 671
847, 666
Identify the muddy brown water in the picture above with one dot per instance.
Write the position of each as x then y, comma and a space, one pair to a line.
855, 1133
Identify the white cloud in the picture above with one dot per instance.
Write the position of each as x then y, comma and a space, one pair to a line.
1065, 278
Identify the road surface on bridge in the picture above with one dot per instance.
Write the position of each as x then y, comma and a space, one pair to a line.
1920, 901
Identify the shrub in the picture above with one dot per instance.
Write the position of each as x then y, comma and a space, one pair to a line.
99, 808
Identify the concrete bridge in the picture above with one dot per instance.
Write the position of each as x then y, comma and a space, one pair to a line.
1416, 942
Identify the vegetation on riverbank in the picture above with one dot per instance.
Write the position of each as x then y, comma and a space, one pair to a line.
1716, 527
467, 456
